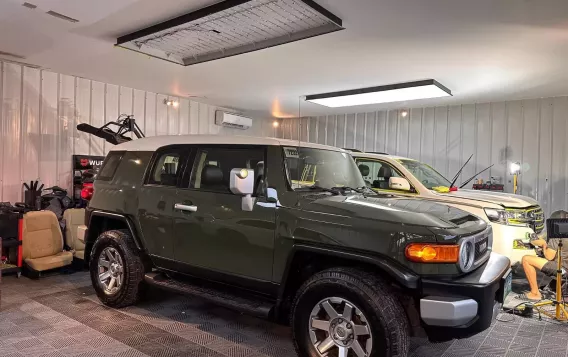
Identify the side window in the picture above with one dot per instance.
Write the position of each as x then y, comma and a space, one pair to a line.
212, 168
166, 168
110, 165
376, 173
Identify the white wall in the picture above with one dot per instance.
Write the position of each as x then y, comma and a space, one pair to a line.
39, 112
532, 132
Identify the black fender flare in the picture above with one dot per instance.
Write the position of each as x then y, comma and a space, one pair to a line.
123, 218
402, 275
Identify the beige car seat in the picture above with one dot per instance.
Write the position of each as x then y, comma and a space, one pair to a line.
74, 217
42, 242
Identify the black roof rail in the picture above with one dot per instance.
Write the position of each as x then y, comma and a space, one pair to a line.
377, 152
353, 150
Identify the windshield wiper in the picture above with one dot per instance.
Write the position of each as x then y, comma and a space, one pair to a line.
325, 189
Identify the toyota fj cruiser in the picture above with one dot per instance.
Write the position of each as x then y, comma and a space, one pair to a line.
289, 231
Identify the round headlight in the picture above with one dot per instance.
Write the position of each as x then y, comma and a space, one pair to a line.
467, 256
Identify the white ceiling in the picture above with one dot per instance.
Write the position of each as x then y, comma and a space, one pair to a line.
483, 50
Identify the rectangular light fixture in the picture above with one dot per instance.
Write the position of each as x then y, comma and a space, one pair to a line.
399, 92
230, 28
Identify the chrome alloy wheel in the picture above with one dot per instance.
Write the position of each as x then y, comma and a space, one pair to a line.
340, 334
111, 270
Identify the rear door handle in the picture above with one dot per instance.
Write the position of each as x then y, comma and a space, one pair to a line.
187, 208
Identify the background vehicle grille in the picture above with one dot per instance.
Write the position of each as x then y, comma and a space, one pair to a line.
537, 219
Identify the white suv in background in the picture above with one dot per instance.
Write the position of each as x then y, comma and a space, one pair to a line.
511, 216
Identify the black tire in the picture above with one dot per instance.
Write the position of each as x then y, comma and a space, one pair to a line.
133, 283
385, 316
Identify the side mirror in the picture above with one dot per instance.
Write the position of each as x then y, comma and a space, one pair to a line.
242, 183
399, 183
271, 195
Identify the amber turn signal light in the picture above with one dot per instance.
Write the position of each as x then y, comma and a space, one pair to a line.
432, 253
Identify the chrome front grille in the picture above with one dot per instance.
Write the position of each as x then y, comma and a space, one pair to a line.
537, 219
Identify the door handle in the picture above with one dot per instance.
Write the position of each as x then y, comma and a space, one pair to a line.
187, 208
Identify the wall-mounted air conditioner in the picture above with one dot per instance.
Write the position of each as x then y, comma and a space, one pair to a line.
232, 120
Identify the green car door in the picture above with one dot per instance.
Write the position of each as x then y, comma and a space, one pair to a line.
157, 198
212, 231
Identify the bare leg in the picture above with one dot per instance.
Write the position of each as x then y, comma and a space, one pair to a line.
530, 264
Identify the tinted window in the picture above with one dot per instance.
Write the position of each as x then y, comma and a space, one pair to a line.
212, 167
166, 169
376, 173
109, 166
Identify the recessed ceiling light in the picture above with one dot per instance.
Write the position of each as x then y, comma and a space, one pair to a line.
230, 28
61, 16
29, 6
384, 94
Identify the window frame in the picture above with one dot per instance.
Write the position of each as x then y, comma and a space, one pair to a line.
191, 166
413, 190
120, 155
184, 154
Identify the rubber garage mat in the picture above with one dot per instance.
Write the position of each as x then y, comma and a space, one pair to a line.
60, 316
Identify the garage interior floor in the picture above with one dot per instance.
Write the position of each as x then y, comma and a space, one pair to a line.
59, 315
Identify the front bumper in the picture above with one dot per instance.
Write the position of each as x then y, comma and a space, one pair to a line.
504, 238
461, 307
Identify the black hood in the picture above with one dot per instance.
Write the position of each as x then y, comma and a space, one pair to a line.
409, 211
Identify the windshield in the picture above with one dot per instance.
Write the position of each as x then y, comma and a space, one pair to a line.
309, 168
429, 177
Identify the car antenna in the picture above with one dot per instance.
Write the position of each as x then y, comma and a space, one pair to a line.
459, 172
472, 177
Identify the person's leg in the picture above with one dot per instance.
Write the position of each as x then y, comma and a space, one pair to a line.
530, 264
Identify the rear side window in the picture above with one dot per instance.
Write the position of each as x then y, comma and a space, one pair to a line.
167, 167
110, 165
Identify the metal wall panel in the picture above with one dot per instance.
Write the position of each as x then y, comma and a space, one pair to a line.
532, 132
559, 127
97, 116
441, 140
48, 152
415, 134
184, 122
312, 130
112, 106
161, 115
370, 131
65, 126
428, 126
39, 112
322, 129
31, 124
469, 142
83, 115
403, 142
11, 132
139, 108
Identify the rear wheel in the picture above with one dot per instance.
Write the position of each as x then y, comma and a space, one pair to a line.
345, 312
117, 271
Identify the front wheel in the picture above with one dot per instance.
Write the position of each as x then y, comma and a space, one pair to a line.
117, 271
345, 312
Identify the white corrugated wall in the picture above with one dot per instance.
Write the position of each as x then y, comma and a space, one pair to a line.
532, 132
39, 112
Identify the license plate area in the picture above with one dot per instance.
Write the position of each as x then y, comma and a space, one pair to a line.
507, 284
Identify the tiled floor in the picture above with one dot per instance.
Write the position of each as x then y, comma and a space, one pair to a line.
60, 316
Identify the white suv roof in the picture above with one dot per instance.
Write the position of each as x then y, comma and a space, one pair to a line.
155, 142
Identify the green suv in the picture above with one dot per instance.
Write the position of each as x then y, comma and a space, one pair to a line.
289, 232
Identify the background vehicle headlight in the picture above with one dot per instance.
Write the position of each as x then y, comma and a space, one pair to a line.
496, 215
467, 256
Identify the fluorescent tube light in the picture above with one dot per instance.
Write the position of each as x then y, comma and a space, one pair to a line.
384, 94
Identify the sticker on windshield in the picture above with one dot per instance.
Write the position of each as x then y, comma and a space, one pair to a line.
291, 152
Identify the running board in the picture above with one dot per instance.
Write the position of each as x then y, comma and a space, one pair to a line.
245, 304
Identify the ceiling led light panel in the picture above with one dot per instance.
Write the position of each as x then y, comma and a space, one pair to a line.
384, 94
230, 28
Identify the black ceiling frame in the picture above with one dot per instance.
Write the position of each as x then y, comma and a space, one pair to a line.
212, 9
384, 88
